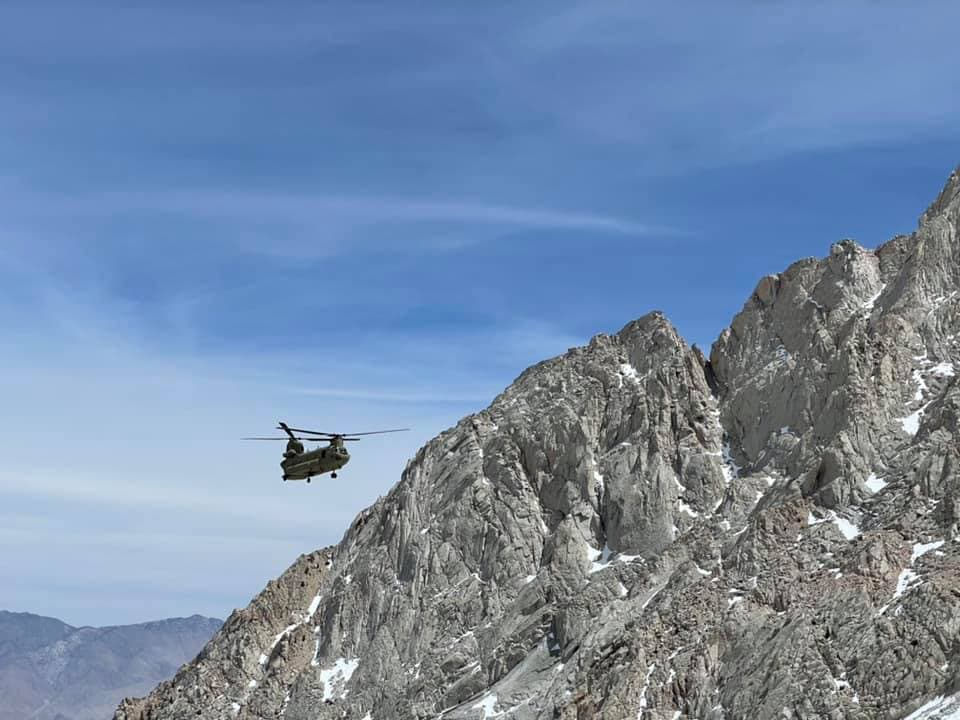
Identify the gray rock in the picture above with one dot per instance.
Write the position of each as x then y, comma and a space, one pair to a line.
630, 531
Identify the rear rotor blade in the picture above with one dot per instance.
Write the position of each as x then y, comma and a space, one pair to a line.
262, 438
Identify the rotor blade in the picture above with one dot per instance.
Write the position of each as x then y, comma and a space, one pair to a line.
332, 435
376, 432
314, 432
283, 426
262, 438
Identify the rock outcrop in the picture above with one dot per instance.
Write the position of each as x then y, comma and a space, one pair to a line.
634, 531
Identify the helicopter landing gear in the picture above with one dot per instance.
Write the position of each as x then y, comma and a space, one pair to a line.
333, 475
284, 478
308, 481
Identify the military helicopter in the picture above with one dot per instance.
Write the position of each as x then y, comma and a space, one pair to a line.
298, 464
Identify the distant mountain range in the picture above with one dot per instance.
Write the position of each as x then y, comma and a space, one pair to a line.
52, 671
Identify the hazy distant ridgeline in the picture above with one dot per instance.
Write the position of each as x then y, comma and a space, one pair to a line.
50, 670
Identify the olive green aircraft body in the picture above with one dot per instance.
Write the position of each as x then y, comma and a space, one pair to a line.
301, 464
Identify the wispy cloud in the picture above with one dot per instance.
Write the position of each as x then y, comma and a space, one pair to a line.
101, 494
341, 213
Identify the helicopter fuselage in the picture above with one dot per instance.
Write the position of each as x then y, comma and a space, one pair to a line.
301, 464
305, 465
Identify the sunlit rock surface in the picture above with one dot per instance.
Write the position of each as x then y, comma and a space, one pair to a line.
633, 530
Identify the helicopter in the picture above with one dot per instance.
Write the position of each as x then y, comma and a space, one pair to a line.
300, 464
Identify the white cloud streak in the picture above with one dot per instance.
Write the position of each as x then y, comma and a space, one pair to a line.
320, 209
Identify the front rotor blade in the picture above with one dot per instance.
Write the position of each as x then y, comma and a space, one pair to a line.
377, 432
314, 432
273, 438
283, 426
333, 435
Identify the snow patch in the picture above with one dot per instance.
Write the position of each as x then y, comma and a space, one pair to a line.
487, 706
921, 549
848, 529
731, 471
908, 579
649, 600
599, 558
874, 483
630, 372
871, 302
940, 708
944, 369
336, 678
911, 423
643, 693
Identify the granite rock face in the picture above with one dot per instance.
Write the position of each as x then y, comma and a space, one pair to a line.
634, 531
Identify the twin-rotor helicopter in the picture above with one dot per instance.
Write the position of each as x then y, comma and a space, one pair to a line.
301, 464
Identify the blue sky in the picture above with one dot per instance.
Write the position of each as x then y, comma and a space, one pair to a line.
351, 215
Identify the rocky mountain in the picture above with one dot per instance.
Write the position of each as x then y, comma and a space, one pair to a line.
633, 530
52, 671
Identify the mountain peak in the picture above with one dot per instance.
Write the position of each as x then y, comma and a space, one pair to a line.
630, 531
948, 200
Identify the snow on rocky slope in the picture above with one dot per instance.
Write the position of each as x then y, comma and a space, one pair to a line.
633, 530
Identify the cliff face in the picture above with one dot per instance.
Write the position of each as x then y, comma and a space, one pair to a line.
631, 531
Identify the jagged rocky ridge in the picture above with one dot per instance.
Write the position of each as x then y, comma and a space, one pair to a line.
634, 531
